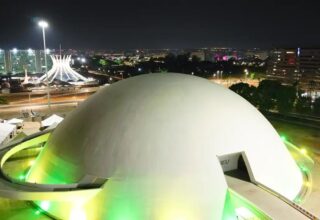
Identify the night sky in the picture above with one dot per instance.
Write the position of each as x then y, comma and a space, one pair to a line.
129, 24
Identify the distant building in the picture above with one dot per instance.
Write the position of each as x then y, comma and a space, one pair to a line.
2, 61
15, 121
283, 65
7, 132
200, 54
301, 65
16, 61
256, 53
309, 67
221, 54
53, 120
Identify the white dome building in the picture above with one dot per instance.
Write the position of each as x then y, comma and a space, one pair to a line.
157, 139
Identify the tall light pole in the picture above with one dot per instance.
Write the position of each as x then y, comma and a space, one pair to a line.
44, 25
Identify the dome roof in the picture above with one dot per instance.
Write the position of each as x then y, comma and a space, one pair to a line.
158, 139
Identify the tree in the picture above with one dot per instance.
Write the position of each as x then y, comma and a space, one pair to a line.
267, 94
103, 62
312, 86
316, 107
285, 98
195, 59
246, 91
303, 105
3, 101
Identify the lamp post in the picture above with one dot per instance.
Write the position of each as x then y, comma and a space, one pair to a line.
44, 25
246, 73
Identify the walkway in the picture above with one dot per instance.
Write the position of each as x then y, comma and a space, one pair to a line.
268, 203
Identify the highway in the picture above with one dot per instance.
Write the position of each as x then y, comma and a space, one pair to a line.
61, 102
59, 90
64, 107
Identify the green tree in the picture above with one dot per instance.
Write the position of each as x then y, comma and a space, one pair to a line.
3, 101
267, 94
285, 98
195, 59
316, 107
303, 105
103, 62
246, 91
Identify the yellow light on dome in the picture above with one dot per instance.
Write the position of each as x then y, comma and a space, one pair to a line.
78, 213
303, 151
307, 184
31, 163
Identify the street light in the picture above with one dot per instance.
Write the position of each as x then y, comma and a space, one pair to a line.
14, 50
246, 72
30, 52
44, 25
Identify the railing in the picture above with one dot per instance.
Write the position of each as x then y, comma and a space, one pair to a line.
30, 142
253, 208
289, 202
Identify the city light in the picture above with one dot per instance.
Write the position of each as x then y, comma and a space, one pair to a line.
43, 24
14, 50
30, 51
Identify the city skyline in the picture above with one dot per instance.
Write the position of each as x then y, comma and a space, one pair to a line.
165, 24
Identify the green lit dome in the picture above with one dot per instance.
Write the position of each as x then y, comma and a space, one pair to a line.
157, 139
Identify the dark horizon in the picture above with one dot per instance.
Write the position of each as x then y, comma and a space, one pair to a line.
158, 25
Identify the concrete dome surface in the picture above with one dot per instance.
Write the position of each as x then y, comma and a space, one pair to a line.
158, 139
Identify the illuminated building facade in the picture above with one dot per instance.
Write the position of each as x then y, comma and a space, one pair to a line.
309, 68
2, 62
283, 65
301, 65
17, 61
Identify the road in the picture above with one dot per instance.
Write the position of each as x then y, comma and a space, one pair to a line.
41, 95
63, 108
61, 90
61, 102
